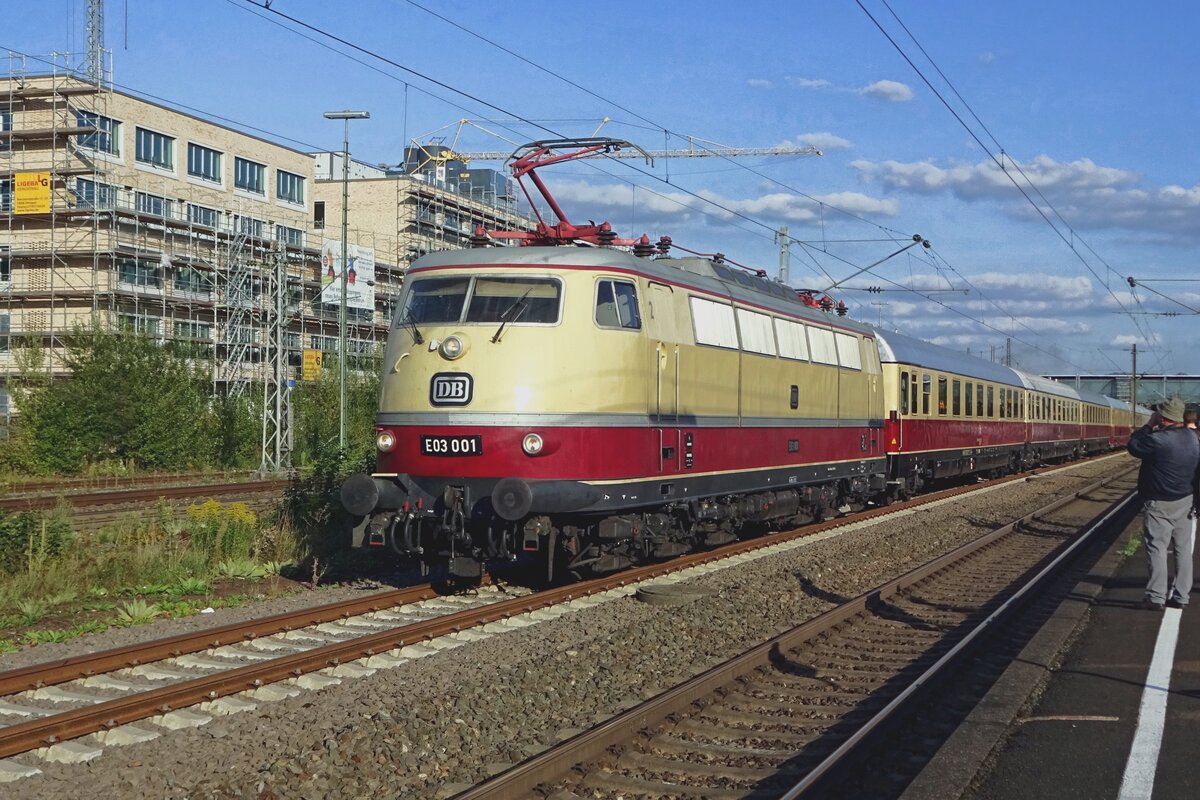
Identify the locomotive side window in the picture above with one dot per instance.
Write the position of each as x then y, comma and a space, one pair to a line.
903, 392
757, 333
514, 300
822, 345
616, 305
847, 349
926, 391
942, 395
434, 300
714, 323
792, 342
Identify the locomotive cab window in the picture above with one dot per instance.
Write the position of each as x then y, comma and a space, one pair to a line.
434, 300
514, 300
616, 305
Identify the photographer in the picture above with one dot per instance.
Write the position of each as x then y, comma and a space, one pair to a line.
1169, 452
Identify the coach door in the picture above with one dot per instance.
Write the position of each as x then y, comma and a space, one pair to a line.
665, 336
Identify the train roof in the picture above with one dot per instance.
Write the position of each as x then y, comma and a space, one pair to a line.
897, 348
1038, 383
701, 273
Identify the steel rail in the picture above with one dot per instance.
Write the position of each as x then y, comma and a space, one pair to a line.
57, 672
35, 733
125, 496
591, 745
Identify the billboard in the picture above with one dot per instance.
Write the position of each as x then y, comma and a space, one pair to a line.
360, 277
311, 366
31, 193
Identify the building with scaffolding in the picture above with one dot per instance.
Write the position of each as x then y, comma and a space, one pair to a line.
117, 212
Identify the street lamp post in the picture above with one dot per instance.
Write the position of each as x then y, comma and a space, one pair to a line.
345, 116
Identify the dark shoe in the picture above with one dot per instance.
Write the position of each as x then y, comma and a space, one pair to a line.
1176, 604
1150, 605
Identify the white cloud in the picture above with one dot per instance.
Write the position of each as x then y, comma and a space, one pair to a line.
987, 57
808, 83
1087, 194
888, 91
759, 83
822, 141
616, 200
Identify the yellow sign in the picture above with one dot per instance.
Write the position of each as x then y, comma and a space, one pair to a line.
311, 370
31, 193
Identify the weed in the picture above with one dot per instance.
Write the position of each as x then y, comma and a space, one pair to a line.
32, 610
94, 605
241, 568
62, 597
137, 612
95, 626
179, 608
1131, 545
186, 586
8, 646
46, 637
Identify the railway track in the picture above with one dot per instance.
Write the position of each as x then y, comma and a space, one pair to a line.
779, 719
57, 486
105, 693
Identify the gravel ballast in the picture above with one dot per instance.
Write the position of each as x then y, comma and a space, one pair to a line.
437, 724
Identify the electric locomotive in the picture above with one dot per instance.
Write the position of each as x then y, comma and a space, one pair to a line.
609, 403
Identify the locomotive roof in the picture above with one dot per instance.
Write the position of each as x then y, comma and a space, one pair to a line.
701, 273
900, 349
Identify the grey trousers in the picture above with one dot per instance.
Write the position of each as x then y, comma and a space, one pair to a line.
1166, 523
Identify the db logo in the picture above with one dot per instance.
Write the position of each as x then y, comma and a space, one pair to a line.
450, 389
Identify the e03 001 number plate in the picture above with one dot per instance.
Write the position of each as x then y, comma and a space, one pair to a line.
451, 445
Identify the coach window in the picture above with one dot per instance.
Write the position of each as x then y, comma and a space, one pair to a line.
616, 305
913, 387
979, 399
970, 397
991, 410
926, 390
956, 397
942, 395
903, 392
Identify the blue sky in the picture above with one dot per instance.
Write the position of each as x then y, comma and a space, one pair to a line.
1095, 104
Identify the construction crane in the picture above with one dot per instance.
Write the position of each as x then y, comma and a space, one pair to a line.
439, 153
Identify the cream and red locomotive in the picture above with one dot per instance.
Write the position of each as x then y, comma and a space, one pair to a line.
611, 404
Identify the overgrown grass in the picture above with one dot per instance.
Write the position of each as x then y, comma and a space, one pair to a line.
1131, 545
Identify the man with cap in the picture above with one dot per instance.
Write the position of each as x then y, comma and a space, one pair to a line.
1169, 452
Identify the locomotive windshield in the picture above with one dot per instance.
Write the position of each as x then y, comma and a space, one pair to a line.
482, 299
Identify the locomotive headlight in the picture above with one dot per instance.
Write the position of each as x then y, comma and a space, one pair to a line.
531, 444
385, 441
452, 347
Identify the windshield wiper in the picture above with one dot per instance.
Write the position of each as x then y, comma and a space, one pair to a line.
409, 322
512, 314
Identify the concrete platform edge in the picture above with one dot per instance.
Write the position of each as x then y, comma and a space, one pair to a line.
951, 772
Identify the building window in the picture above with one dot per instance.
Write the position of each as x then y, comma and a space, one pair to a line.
6, 119
318, 214
131, 272
106, 139
248, 175
248, 225
289, 187
292, 237
204, 163
156, 149
141, 323
146, 203
6, 194
191, 280
4, 332
89, 194
5, 266
203, 215
190, 329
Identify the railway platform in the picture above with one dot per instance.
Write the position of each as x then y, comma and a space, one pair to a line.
1103, 703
